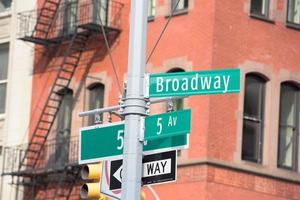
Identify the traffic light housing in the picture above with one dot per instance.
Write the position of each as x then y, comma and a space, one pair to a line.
143, 195
91, 190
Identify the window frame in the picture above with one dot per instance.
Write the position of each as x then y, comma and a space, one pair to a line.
62, 141
153, 11
179, 11
69, 16
289, 23
295, 159
7, 9
91, 118
5, 81
253, 119
175, 101
98, 8
260, 15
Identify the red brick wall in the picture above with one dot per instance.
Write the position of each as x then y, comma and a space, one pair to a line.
214, 34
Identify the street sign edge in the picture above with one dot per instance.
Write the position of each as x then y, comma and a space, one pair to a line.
195, 93
182, 147
197, 71
101, 159
100, 126
80, 161
176, 133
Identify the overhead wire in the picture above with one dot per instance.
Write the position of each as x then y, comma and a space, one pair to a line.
163, 30
109, 52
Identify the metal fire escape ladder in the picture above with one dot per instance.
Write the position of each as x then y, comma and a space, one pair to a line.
37, 142
45, 19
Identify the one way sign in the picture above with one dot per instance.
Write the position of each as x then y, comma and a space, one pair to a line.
157, 168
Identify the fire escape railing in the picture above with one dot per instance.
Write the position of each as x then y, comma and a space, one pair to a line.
67, 19
52, 156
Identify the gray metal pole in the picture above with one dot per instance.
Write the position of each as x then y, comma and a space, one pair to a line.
135, 104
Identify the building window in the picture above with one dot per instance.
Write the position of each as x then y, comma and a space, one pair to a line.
96, 100
4, 51
5, 5
294, 12
151, 9
288, 126
253, 118
70, 16
182, 5
100, 9
63, 133
177, 104
260, 8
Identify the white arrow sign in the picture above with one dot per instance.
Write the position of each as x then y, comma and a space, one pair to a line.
157, 168
118, 174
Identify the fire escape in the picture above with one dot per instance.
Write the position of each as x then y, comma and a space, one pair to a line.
68, 23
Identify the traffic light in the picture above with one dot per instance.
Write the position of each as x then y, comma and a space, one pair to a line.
92, 190
143, 195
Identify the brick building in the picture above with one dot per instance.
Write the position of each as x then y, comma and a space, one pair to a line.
242, 146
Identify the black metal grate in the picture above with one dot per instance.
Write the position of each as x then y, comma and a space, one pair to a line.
13, 155
55, 27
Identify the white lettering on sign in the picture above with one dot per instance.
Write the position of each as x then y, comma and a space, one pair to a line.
195, 83
226, 83
172, 121
159, 125
205, 83
159, 84
121, 138
157, 168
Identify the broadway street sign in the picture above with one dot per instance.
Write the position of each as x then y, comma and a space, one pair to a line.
157, 168
102, 142
194, 83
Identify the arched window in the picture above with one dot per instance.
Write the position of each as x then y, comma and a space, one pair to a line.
288, 126
253, 119
178, 103
64, 118
96, 100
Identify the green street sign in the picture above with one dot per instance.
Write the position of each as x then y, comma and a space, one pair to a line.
194, 83
167, 124
102, 142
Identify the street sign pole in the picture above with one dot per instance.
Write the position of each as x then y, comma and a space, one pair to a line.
135, 104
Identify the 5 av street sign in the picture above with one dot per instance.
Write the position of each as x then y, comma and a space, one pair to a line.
163, 132
157, 168
194, 83
168, 124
